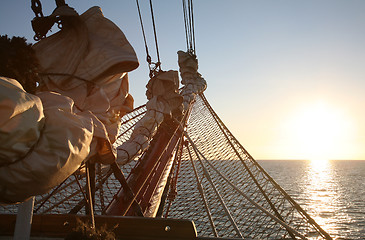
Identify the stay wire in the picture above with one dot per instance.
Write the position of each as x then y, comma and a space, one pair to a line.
148, 58
192, 24
186, 24
190, 28
154, 67
155, 34
188, 11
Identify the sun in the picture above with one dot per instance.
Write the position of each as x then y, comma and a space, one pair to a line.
319, 131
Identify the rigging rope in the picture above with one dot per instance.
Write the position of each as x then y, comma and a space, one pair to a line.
188, 11
154, 67
154, 32
144, 35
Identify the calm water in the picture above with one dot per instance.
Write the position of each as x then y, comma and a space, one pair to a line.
332, 192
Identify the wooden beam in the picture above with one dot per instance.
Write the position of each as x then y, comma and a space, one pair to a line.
133, 228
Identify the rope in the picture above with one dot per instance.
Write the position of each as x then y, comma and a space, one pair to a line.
188, 11
202, 194
148, 58
191, 20
155, 34
154, 67
67, 75
186, 25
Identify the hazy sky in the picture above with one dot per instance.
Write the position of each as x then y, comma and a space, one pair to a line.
287, 77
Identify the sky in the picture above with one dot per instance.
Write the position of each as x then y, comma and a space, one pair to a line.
286, 77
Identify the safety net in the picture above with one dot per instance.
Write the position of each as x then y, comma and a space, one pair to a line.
214, 181
226, 192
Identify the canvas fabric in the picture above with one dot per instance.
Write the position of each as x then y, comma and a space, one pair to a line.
191, 78
89, 63
50, 141
162, 92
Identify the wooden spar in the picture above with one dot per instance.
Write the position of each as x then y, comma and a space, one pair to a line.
132, 228
150, 173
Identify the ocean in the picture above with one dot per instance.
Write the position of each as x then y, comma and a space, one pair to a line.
332, 192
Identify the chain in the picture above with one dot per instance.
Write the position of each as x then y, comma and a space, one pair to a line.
41, 24
37, 8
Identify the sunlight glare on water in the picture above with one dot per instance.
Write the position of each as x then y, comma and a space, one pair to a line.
332, 192
321, 189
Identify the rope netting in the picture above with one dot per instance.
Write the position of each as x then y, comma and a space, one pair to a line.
226, 192
218, 184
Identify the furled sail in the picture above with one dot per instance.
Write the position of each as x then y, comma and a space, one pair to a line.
88, 62
75, 114
163, 98
48, 141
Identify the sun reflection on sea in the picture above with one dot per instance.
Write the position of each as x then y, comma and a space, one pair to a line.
321, 189
320, 165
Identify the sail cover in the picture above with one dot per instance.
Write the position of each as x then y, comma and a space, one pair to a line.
89, 62
42, 141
